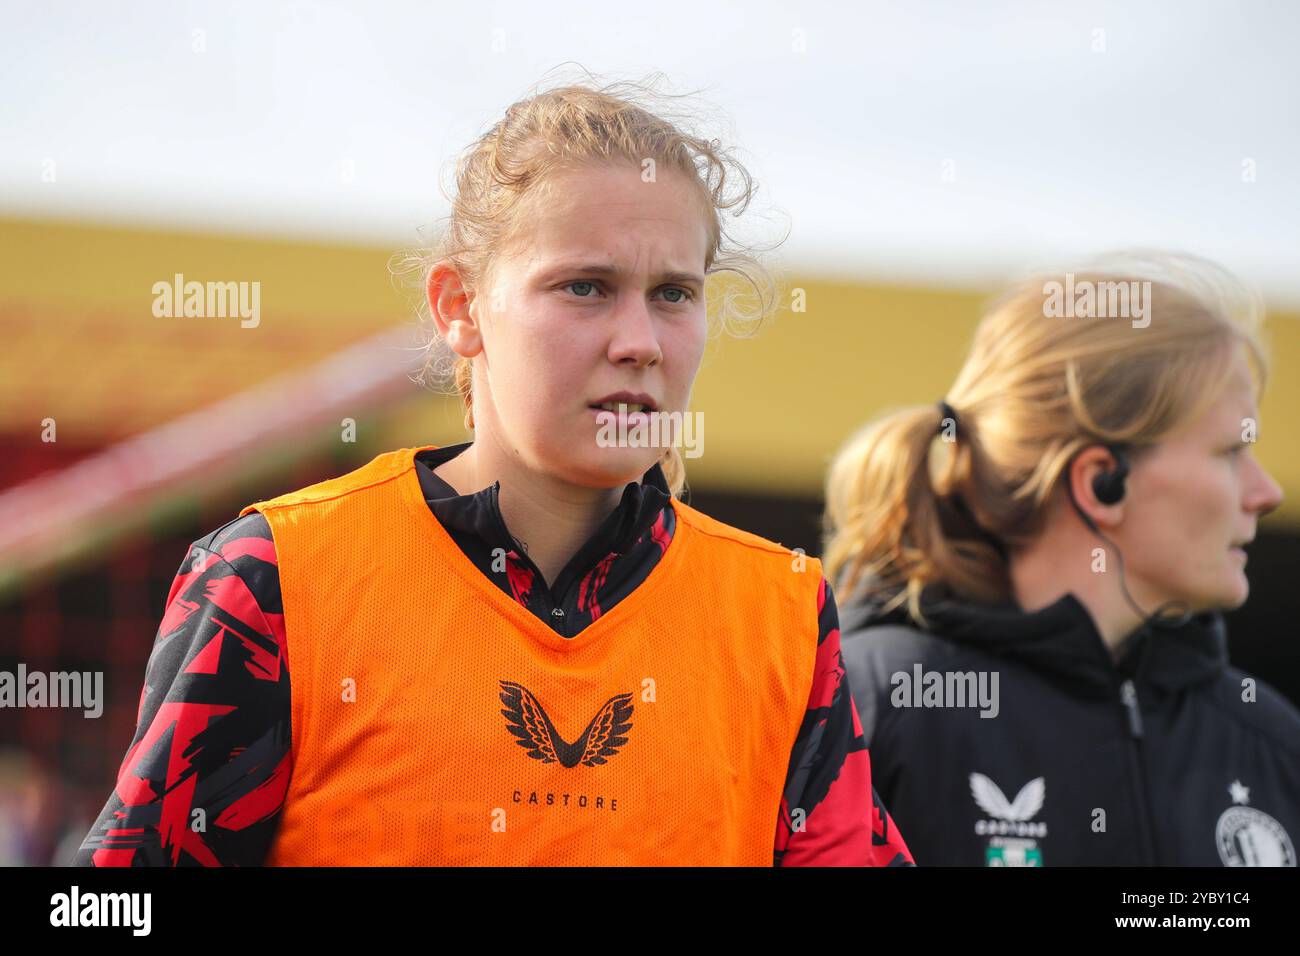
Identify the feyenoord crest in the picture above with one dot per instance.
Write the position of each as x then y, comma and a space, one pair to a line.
1014, 833
1250, 837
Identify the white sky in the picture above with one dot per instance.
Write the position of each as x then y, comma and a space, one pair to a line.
1057, 151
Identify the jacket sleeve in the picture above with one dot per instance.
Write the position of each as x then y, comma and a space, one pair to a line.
204, 778
830, 814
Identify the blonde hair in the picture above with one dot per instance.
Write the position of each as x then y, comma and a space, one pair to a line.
558, 129
1034, 390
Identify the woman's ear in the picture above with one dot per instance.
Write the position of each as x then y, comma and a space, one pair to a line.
449, 303
1087, 467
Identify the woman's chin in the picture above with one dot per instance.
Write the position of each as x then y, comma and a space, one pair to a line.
1230, 595
611, 467
1239, 594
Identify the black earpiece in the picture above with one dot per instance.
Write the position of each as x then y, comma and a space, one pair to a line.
1109, 485
1109, 489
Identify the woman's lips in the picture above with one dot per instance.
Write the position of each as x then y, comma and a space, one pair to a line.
623, 416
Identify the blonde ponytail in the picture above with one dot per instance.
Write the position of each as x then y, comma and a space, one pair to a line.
895, 525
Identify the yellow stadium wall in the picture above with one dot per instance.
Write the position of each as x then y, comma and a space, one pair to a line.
75, 301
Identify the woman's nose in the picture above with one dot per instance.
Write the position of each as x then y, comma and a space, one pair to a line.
1265, 494
634, 338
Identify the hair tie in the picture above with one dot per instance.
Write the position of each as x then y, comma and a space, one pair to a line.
948, 412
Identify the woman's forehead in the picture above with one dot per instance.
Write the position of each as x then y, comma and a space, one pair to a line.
612, 241
610, 191
1234, 404
599, 264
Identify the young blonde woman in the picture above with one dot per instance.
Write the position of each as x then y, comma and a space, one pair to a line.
523, 649
1035, 565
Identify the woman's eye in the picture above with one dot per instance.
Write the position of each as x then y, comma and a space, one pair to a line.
674, 295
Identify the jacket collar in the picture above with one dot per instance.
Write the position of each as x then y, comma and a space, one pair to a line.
1062, 642
479, 513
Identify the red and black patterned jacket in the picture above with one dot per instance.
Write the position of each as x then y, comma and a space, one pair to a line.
212, 738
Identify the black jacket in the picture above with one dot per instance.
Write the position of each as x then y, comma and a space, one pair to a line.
1160, 759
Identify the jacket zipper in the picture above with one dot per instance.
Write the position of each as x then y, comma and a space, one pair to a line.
558, 617
1128, 696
